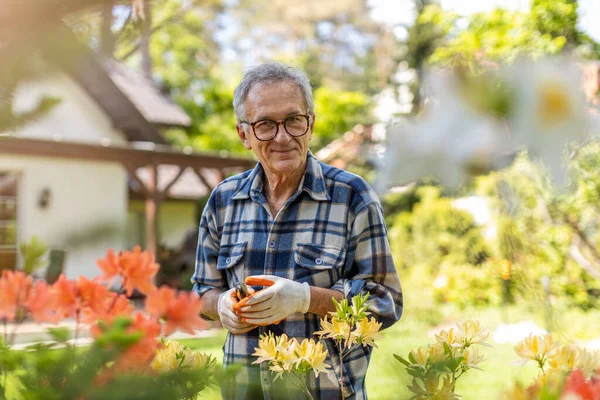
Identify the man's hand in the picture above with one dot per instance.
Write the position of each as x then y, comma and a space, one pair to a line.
282, 298
232, 322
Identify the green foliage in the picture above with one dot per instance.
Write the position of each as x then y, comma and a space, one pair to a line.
14, 71
32, 254
443, 246
427, 33
500, 35
436, 234
546, 232
548, 28
213, 126
57, 370
337, 112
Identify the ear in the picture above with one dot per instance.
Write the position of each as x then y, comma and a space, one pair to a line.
312, 127
243, 136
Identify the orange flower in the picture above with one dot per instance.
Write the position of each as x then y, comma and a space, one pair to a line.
101, 303
39, 304
111, 265
66, 297
179, 310
136, 268
114, 305
15, 287
581, 388
139, 356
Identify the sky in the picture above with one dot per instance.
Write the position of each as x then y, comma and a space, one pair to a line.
402, 11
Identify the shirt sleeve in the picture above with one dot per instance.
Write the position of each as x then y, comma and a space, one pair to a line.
372, 270
206, 275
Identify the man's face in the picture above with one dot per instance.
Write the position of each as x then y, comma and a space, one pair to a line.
284, 154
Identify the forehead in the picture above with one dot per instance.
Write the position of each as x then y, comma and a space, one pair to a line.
274, 100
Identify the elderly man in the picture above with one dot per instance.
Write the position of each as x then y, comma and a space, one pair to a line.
314, 231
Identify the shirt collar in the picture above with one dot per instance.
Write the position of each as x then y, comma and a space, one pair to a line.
313, 182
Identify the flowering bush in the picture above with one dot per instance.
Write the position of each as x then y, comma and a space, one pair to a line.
348, 327
566, 371
436, 368
127, 358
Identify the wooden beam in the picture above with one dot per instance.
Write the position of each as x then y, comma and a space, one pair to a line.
165, 192
124, 154
152, 204
133, 173
203, 179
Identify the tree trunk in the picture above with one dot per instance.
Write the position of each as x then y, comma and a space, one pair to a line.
145, 40
107, 40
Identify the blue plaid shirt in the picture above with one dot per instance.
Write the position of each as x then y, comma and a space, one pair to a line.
330, 233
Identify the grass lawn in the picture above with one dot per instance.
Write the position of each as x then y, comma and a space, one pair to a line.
387, 378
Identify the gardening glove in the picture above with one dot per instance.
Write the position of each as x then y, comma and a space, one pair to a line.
280, 299
232, 322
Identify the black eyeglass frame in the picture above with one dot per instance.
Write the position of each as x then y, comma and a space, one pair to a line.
277, 124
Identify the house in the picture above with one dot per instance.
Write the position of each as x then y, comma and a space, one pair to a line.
96, 173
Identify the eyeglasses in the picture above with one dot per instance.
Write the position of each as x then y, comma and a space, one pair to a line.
267, 129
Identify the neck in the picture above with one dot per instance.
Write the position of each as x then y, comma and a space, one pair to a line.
280, 187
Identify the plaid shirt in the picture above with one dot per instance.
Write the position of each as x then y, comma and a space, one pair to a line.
330, 233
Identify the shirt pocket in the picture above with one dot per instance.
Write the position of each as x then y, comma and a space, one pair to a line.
231, 262
319, 265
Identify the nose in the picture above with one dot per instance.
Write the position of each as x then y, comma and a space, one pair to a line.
282, 136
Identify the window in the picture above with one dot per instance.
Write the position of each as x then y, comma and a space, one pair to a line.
8, 219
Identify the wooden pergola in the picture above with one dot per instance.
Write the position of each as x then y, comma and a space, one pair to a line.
133, 158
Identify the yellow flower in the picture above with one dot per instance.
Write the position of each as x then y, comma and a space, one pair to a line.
367, 331
472, 332
420, 356
202, 361
312, 353
472, 357
336, 329
266, 350
446, 392
451, 337
553, 378
285, 349
555, 104
588, 361
436, 352
517, 392
564, 358
536, 348
168, 358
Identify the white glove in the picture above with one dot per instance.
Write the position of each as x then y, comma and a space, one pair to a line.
229, 319
282, 298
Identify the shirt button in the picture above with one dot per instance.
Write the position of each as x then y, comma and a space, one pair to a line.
228, 260
272, 243
318, 261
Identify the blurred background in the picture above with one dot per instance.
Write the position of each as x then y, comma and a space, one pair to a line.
116, 122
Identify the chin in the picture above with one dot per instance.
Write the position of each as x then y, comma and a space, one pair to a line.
287, 166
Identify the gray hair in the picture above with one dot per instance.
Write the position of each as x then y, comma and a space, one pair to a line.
271, 72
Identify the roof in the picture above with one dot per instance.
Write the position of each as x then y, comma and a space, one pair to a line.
347, 149
154, 105
188, 186
84, 66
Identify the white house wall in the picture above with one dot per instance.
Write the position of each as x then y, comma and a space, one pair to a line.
86, 197
175, 218
77, 118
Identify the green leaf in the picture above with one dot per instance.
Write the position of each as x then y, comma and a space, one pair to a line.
402, 360
59, 334
411, 358
32, 254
